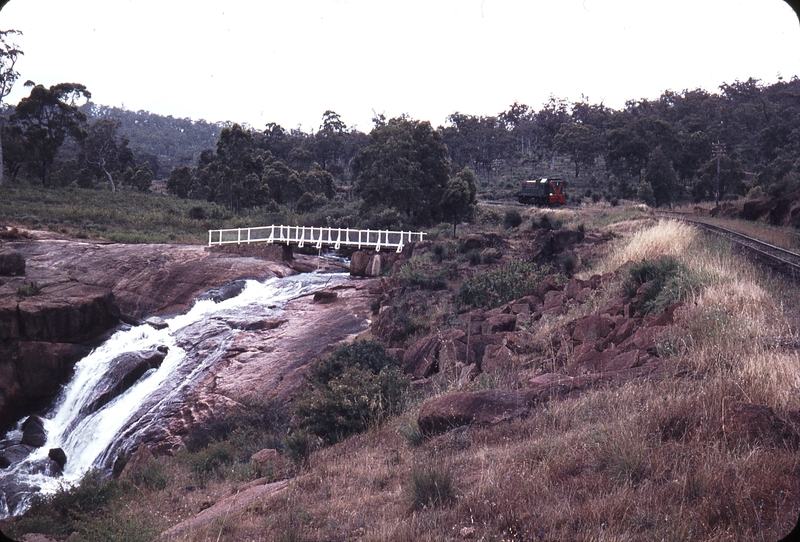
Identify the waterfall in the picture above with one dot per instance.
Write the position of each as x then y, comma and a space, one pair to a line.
94, 430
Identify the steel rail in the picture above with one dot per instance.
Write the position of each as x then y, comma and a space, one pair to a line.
779, 257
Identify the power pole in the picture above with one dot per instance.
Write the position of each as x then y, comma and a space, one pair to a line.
717, 151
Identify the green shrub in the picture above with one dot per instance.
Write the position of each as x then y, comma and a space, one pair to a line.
500, 285
61, 513
298, 446
412, 433
474, 257
152, 475
357, 385
431, 487
512, 219
211, 460
665, 280
29, 289
426, 275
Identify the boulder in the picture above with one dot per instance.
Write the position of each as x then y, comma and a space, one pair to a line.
156, 322
421, 359
591, 328
553, 302
69, 312
126, 370
226, 291
137, 461
498, 358
439, 414
753, 210
33, 432
42, 367
325, 296
58, 455
548, 284
615, 307
366, 264
499, 323
11, 262
16, 452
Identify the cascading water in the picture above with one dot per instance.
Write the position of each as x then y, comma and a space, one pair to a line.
94, 427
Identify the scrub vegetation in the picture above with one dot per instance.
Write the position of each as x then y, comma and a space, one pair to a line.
646, 459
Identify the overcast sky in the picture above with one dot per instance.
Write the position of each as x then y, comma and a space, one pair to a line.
288, 61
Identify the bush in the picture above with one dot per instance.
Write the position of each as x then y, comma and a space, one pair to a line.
61, 513
665, 281
512, 219
426, 275
496, 286
431, 487
152, 475
29, 289
357, 385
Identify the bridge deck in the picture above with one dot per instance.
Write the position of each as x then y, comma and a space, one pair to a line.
318, 237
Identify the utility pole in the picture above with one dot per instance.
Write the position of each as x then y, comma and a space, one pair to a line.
717, 151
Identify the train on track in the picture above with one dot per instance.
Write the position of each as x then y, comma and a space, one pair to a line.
542, 192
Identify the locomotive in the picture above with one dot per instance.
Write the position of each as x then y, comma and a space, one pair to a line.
542, 192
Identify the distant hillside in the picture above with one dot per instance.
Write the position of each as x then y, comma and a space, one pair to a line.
174, 142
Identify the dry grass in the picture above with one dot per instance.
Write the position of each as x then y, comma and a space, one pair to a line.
644, 460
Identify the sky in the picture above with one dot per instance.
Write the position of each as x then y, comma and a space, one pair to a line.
289, 61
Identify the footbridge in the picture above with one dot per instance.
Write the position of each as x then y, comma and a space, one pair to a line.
317, 237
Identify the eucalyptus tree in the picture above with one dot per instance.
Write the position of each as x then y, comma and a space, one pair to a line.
404, 167
9, 53
46, 118
106, 151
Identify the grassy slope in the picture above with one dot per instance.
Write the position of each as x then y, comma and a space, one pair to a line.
125, 216
643, 460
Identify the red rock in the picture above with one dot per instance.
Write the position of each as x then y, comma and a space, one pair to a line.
590, 329
667, 317
553, 302
498, 357
137, 461
574, 287
11, 262
421, 359
498, 323
619, 334
548, 284
614, 307
445, 412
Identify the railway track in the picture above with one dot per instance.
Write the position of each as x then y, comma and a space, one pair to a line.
778, 258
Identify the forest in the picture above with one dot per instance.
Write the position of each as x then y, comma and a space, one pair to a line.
406, 172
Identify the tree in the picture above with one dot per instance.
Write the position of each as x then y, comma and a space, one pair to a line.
329, 141
9, 52
180, 181
661, 177
47, 117
104, 149
580, 143
404, 167
458, 200
731, 179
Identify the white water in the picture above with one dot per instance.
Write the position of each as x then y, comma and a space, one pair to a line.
196, 340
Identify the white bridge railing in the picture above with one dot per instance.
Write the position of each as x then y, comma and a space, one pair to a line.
318, 237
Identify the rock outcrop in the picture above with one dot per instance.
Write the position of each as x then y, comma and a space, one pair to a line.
484, 407
73, 292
